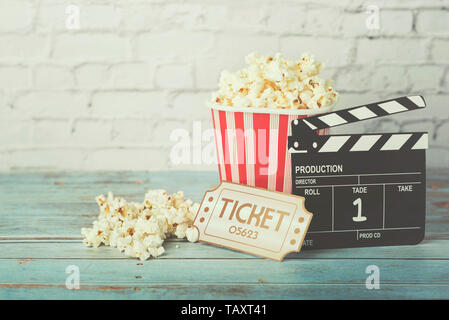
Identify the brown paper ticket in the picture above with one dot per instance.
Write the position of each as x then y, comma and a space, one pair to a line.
265, 223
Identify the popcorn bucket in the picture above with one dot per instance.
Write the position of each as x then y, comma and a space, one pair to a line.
252, 145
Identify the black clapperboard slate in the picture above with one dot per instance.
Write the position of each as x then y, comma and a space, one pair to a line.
363, 189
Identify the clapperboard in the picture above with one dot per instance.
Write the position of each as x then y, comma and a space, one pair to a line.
363, 189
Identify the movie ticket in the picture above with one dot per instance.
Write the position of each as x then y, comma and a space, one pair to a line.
265, 223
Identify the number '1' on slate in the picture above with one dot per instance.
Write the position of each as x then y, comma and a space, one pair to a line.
363, 189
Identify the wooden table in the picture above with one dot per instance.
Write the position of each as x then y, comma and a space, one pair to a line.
42, 213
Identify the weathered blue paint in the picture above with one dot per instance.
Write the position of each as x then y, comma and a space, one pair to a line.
42, 213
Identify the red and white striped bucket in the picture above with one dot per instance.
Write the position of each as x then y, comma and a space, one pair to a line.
252, 145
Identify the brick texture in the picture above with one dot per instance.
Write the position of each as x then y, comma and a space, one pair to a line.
109, 94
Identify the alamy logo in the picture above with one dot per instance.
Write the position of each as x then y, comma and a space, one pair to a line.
372, 21
72, 21
188, 148
373, 280
73, 280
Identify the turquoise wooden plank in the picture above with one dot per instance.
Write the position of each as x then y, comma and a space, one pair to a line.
438, 176
50, 206
95, 177
58, 204
201, 291
217, 271
224, 279
47, 184
79, 188
428, 249
65, 220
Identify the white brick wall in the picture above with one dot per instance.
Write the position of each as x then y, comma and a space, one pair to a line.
108, 95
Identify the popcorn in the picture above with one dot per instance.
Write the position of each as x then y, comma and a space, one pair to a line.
275, 82
139, 229
192, 234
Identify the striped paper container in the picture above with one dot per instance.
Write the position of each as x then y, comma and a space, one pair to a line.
252, 145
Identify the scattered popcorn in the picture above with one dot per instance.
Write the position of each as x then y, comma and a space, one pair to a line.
192, 234
139, 229
275, 82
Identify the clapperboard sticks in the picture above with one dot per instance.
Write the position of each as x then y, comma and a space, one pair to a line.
304, 138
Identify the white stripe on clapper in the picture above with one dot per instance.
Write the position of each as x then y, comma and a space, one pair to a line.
310, 125
392, 106
418, 100
395, 142
365, 143
422, 143
332, 119
334, 143
362, 113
